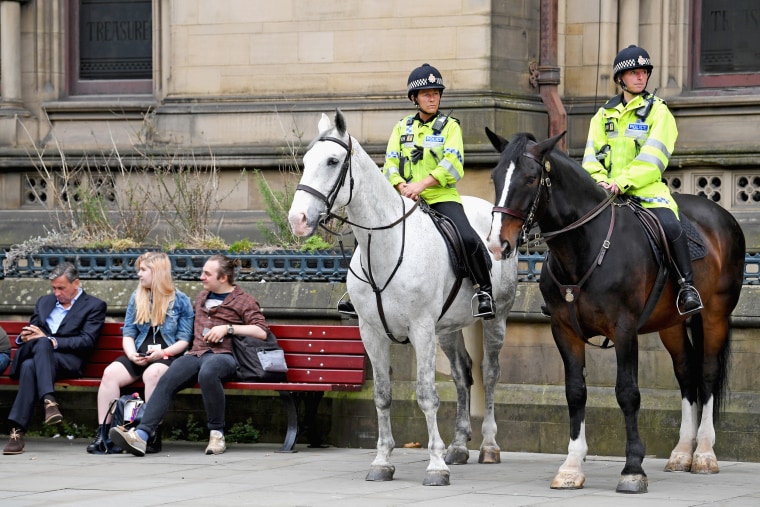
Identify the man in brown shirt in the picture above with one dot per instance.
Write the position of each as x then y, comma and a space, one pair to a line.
222, 310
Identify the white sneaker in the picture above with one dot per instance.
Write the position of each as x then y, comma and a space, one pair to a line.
216, 443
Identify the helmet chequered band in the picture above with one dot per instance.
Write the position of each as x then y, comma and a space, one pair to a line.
418, 83
632, 63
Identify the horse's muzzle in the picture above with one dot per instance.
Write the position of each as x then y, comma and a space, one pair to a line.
506, 249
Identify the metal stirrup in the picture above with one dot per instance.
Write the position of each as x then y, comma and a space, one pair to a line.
475, 301
684, 289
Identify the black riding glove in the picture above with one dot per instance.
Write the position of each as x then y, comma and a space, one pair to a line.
417, 153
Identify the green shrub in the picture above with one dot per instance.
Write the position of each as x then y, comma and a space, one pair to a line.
243, 432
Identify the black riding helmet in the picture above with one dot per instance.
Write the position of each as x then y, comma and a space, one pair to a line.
424, 77
632, 57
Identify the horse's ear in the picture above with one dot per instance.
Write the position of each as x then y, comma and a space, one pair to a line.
324, 124
497, 141
546, 146
340, 122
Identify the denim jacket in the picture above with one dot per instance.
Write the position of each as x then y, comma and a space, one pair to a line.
178, 324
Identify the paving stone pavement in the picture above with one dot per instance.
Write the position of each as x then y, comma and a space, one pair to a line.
58, 472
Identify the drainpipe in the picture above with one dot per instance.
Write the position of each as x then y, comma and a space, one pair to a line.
548, 72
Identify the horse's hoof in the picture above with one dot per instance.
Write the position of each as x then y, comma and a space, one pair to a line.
568, 480
381, 473
456, 456
705, 463
636, 483
490, 455
678, 462
436, 478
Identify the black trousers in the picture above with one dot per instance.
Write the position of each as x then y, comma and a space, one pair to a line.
670, 223
474, 247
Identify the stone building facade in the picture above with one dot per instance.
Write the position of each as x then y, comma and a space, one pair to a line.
241, 83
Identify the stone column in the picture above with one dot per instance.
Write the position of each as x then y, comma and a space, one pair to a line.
628, 31
10, 52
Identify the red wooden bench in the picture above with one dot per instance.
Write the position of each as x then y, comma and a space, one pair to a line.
320, 358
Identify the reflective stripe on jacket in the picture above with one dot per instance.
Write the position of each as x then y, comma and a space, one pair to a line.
639, 149
443, 157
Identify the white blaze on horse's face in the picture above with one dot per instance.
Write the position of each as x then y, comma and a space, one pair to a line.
494, 237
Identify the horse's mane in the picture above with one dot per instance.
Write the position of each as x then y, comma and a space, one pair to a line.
569, 164
517, 145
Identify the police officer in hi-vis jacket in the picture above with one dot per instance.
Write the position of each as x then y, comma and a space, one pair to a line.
424, 158
629, 144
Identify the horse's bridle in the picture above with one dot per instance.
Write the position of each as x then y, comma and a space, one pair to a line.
345, 169
329, 200
529, 217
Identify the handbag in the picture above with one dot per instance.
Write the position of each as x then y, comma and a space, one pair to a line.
127, 411
257, 360
272, 360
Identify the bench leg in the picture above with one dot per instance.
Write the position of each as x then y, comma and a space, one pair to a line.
291, 407
311, 404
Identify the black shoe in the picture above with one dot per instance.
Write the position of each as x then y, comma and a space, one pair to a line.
98, 446
154, 443
485, 306
347, 307
688, 300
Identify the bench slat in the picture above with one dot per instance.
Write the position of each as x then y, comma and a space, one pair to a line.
325, 361
322, 346
304, 331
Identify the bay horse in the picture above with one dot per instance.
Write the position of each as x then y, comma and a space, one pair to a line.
400, 280
596, 281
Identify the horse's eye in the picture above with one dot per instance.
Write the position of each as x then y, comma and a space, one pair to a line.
332, 161
531, 179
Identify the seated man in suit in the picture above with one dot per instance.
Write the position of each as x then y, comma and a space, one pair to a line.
54, 345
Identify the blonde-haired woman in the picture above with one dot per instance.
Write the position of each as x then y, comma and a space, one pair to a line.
157, 328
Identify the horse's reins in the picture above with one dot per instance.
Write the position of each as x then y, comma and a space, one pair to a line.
328, 214
570, 292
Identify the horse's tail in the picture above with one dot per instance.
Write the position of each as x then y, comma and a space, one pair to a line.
719, 390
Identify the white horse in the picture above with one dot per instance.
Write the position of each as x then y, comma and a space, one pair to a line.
399, 281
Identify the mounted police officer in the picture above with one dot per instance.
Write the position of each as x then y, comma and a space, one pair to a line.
630, 140
425, 158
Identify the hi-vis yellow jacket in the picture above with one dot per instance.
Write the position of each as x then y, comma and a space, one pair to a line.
639, 148
443, 155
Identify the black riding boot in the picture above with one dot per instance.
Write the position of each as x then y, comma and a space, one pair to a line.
345, 306
688, 300
479, 269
